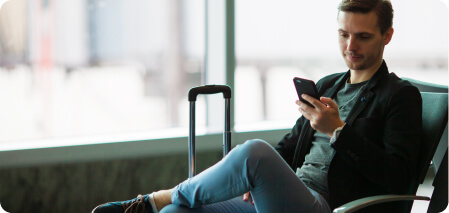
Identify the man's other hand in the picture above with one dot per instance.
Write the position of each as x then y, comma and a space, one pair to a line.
247, 197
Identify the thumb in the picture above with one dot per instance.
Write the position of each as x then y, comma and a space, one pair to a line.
329, 102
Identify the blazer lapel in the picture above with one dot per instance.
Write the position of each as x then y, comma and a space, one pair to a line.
332, 91
366, 95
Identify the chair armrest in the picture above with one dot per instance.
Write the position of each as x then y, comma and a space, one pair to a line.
368, 201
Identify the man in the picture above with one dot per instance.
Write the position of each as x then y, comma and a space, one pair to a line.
360, 139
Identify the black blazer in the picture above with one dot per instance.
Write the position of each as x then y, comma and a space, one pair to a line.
377, 150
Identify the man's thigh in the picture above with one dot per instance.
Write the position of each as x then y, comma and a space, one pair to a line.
236, 205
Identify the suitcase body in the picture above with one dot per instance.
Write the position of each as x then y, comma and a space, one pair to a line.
205, 90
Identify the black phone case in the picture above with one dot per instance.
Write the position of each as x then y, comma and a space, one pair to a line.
305, 86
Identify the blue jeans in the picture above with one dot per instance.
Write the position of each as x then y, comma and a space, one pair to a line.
253, 166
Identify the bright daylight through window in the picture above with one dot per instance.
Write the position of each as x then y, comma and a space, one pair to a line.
80, 68
104, 67
279, 40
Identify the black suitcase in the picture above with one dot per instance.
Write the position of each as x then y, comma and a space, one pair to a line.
208, 89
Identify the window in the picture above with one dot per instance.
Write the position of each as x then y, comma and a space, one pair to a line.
97, 67
279, 40
79, 67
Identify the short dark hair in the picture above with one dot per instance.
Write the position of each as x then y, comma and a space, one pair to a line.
383, 9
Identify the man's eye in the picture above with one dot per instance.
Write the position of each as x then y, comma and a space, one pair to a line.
365, 37
344, 35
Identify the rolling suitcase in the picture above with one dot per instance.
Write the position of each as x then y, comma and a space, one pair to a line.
193, 93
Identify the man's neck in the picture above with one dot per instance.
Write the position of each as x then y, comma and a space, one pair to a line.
358, 76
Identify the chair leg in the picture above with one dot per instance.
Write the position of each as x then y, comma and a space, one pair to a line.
439, 200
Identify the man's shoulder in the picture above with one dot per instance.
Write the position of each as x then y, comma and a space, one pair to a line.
332, 77
392, 82
330, 80
387, 82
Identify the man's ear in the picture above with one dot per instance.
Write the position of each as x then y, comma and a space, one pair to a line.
388, 35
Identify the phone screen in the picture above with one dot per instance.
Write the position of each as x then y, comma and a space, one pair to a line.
305, 86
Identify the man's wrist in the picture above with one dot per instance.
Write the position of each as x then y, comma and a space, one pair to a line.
336, 133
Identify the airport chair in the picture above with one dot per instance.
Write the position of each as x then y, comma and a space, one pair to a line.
434, 147
439, 200
428, 87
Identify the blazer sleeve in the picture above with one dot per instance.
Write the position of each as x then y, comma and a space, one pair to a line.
391, 161
287, 145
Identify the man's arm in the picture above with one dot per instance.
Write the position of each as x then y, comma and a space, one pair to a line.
287, 145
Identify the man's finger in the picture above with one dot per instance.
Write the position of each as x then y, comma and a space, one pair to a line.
307, 115
329, 102
315, 102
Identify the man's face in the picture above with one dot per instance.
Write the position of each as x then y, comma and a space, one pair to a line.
360, 39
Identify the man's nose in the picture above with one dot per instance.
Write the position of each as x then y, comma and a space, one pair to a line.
352, 44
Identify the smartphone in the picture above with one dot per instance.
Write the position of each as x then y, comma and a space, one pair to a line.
305, 86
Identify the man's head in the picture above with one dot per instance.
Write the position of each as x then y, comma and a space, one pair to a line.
382, 8
365, 27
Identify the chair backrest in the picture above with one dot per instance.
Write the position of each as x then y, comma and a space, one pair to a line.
435, 140
428, 87
435, 116
434, 123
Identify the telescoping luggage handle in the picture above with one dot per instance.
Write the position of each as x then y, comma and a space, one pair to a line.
208, 89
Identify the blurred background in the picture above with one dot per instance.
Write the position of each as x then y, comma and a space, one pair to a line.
92, 67
93, 93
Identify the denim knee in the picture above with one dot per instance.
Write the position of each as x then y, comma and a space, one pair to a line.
172, 208
257, 149
257, 146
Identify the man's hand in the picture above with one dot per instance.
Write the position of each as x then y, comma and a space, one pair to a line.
247, 197
325, 117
